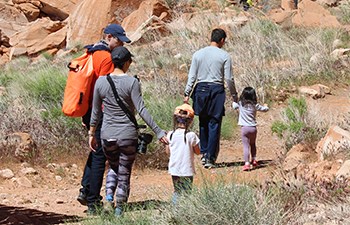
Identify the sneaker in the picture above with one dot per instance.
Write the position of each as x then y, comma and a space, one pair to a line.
209, 164
82, 198
118, 211
246, 168
203, 159
255, 163
91, 211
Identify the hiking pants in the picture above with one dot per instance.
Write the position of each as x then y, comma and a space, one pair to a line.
208, 104
94, 173
121, 155
209, 135
248, 141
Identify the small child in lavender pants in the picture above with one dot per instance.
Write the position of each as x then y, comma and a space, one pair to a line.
248, 107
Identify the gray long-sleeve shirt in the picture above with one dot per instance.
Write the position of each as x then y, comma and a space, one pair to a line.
116, 125
247, 113
211, 64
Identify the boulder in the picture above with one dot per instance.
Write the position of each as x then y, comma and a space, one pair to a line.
297, 155
148, 13
42, 34
86, 24
344, 171
11, 19
59, 9
31, 11
314, 15
6, 174
340, 52
334, 142
24, 145
315, 91
288, 5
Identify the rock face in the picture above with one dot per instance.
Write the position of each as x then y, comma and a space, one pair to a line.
149, 12
308, 13
60, 9
40, 35
85, 24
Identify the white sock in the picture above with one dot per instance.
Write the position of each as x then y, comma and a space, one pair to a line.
247, 163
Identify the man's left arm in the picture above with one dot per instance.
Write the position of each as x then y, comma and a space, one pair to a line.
228, 74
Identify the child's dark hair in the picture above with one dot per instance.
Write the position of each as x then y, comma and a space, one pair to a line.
248, 96
181, 118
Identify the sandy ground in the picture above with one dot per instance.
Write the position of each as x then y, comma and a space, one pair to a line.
50, 200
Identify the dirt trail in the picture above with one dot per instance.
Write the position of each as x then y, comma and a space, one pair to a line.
52, 201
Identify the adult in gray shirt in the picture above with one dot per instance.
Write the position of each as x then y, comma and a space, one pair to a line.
118, 132
211, 66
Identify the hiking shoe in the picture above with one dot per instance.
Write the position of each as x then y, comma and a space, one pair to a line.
246, 168
118, 211
203, 160
91, 211
82, 198
209, 164
255, 163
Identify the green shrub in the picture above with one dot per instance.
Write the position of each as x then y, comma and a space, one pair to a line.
294, 128
215, 202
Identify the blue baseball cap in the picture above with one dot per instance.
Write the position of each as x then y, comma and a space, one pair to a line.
117, 31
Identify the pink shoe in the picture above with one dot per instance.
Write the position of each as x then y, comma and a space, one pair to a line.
246, 168
255, 163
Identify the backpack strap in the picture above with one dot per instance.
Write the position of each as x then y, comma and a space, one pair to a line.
121, 104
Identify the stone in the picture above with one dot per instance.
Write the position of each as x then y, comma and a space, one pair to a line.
7, 174
335, 140
311, 14
344, 171
24, 182
24, 144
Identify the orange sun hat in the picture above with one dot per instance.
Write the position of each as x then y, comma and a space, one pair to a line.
184, 110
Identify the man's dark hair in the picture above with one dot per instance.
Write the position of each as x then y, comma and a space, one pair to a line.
217, 34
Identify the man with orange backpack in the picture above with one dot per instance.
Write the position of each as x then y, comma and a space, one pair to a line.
114, 36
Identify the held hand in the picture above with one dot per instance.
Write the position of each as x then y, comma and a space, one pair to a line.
186, 99
164, 140
235, 98
92, 143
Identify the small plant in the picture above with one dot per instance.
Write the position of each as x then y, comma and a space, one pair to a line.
294, 128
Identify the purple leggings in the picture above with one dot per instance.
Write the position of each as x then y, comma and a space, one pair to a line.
248, 140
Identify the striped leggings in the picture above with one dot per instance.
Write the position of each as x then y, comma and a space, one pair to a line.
121, 156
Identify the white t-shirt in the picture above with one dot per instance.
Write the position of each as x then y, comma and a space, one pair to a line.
181, 162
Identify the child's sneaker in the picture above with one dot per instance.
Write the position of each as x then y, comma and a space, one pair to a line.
255, 163
246, 168
118, 211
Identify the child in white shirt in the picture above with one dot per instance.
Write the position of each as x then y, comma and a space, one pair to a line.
182, 146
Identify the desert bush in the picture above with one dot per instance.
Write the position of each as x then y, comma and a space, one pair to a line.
216, 202
294, 127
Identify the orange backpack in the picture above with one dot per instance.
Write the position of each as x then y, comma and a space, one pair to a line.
77, 92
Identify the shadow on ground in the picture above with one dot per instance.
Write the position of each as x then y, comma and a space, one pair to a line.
19, 215
262, 164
